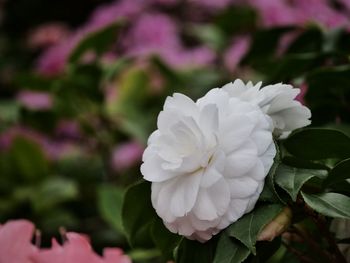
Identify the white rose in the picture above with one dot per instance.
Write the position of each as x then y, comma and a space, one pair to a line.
277, 101
207, 162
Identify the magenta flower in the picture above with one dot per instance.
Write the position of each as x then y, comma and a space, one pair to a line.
77, 249
35, 100
234, 54
15, 242
126, 155
47, 34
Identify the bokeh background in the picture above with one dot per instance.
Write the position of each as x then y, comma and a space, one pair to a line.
82, 82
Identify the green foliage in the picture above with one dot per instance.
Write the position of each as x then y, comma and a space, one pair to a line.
316, 144
193, 251
248, 227
329, 204
339, 173
230, 250
110, 199
292, 179
97, 42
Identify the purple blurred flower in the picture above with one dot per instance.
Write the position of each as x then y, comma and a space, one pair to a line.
157, 34
301, 96
68, 129
235, 53
52, 149
109, 13
126, 155
47, 35
276, 13
320, 11
35, 100
53, 60
212, 5
152, 33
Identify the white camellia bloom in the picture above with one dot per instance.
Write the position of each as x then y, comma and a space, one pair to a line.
277, 101
207, 162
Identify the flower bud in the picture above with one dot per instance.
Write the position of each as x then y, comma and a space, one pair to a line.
277, 226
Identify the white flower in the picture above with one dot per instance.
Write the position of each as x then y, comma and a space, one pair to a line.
277, 101
207, 162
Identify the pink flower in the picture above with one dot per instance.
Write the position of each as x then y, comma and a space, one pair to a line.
35, 100
301, 96
126, 155
236, 52
320, 11
275, 13
75, 250
152, 33
53, 60
47, 34
157, 34
15, 242
212, 5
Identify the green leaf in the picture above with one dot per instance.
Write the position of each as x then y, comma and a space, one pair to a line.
210, 35
138, 215
110, 199
339, 173
230, 250
9, 111
96, 41
291, 179
53, 191
193, 251
248, 227
28, 159
269, 193
244, 18
164, 239
329, 204
316, 144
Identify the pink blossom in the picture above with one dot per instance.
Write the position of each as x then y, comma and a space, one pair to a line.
47, 34
15, 242
236, 52
302, 94
109, 13
126, 155
157, 34
53, 60
152, 33
212, 5
35, 100
77, 249
320, 11
276, 13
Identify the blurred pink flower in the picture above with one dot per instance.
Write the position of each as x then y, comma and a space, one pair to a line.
15, 242
47, 34
126, 155
53, 60
152, 33
35, 100
157, 34
275, 13
320, 11
212, 5
68, 129
235, 53
301, 96
285, 41
77, 249
109, 13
